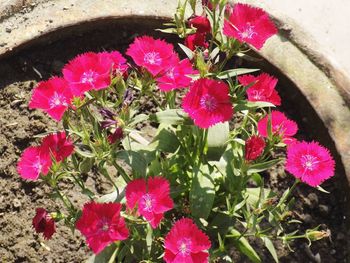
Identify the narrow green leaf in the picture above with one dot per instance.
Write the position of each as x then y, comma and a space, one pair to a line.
172, 117
243, 245
259, 167
270, 247
218, 136
189, 53
106, 256
235, 72
135, 160
165, 141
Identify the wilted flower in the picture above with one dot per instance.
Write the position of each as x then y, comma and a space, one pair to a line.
53, 96
309, 162
186, 243
249, 24
101, 224
58, 145
280, 125
254, 147
263, 88
196, 40
208, 102
43, 223
33, 162
151, 197
155, 55
201, 23
116, 135
177, 76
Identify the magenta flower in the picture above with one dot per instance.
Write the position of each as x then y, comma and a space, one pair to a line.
101, 224
254, 147
43, 223
93, 71
151, 197
177, 76
249, 24
196, 40
186, 243
155, 55
309, 162
53, 96
201, 23
280, 125
262, 90
33, 162
58, 145
208, 102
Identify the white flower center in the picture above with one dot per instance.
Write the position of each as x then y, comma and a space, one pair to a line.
88, 77
257, 95
170, 73
152, 58
37, 165
148, 202
57, 100
309, 161
184, 246
248, 32
208, 102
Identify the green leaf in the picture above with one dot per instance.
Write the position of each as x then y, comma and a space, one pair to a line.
235, 72
218, 136
84, 150
135, 160
270, 247
259, 167
172, 117
107, 255
249, 105
86, 165
168, 30
189, 53
166, 141
253, 194
202, 193
243, 245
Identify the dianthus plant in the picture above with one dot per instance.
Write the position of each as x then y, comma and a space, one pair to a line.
185, 141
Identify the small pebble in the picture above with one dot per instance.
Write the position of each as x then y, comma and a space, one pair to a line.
324, 210
307, 218
313, 200
16, 203
8, 30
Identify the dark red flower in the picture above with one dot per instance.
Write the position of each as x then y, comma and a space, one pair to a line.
196, 40
58, 145
249, 24
34, 161
254, 147
186, 243
151, 197
117, 135
43, 223
53, 96
101, 224
208, 102
263, 89
155, 55
201, 23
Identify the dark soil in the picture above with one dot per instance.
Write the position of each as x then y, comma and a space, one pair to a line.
18, 126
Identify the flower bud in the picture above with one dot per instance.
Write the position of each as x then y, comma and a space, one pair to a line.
44, 223
254, 147
314, 235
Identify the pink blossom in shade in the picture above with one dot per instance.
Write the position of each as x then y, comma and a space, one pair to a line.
177, 76
254, 147
101, 224
33, 162
249, 24
152, 198
310, 162
53, 96
263, 88
208, 102
201, 23
280, 125
43, 223
155, 55
186, 243
116, 60
58, 145
196, 40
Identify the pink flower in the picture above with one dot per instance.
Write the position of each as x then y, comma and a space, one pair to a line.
152, 198
34, 161
309, 162
280, 125
186, 243
208, 102
249, 24
155, 55
53, 96
263, 89
101, 224
254, 147
201, 23
93, 71
196, 40
43, 223
177, 76
58, 145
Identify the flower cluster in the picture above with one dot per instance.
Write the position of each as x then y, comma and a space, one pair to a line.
198, 178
